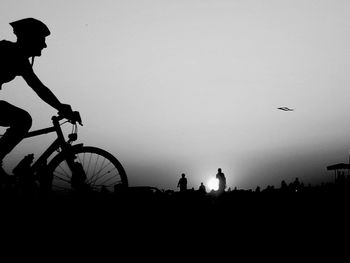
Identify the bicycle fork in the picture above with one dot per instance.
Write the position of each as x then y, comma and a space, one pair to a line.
78, 175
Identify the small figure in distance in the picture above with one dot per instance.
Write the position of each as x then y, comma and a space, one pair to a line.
202, 189
31, 34
182, 183
222, 181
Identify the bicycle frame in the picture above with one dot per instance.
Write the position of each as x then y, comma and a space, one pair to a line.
60, 142
62, 166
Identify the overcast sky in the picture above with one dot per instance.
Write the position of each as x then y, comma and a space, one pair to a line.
189, 86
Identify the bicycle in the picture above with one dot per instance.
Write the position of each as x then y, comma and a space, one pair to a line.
75, 167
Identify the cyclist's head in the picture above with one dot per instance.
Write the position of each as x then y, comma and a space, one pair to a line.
31, 33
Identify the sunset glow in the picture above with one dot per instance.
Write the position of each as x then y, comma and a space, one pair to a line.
213, 184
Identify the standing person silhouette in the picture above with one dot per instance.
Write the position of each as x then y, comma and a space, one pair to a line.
182, 183
222, 181
14, 61
202, 189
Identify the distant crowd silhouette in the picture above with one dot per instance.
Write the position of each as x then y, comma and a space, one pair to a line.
340, 185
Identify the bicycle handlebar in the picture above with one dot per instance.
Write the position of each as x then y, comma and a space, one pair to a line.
73, 117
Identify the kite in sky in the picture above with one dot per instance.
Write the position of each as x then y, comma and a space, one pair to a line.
285, 109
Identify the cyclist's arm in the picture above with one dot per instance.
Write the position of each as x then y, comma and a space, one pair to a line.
43, 92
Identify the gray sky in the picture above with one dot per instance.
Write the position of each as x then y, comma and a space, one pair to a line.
189, 86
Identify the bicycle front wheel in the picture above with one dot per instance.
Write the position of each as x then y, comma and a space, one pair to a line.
102, 171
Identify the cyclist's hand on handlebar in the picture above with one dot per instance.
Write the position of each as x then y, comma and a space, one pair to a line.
66, 111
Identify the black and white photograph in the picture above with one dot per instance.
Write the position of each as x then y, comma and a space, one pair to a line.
189, 110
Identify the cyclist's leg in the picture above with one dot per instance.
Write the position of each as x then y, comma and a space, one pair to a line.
19, 123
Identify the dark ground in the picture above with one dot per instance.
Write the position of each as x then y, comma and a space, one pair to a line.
237, 207
148, 223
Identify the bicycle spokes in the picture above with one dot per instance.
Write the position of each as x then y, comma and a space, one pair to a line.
90, 170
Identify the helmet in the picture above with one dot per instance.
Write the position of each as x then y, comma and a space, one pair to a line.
30, 27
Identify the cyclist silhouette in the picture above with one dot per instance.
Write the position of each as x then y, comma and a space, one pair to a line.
31, 34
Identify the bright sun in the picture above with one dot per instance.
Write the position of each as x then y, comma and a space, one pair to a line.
213, 184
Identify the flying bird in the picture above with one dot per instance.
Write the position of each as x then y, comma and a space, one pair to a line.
285, 109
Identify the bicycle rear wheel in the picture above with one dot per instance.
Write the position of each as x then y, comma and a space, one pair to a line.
102, 171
